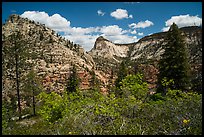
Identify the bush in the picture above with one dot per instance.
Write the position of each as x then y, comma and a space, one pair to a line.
133, 85
52, 107
91, 113
175, 115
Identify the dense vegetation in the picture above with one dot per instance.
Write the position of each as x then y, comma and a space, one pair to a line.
129, 108
135, 112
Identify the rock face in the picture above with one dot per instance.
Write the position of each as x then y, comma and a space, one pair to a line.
56, 54
108, 50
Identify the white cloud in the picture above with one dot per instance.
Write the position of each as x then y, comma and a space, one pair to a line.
140, 34
86, 41
113, 33
120, 14
133, 32
55, 22
183, 21
132, 25
112, 30
122, 39
80, 30
117, 35
165, 29
141, 24
84, 36
100, 13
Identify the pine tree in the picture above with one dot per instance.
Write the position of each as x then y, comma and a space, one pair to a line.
16, 52
73, 80
32, 87
174, 63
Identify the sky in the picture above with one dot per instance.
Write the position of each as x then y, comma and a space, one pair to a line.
119, 22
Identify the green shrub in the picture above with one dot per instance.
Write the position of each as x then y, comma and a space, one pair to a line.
91, 113
134, 85
169, 116
52, 107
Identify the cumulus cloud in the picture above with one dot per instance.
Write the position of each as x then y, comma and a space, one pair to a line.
55, 22
141, 24
113, 33
84, 36
165, 29
117, 35
183, 21
121, 39
100, 13
86, 41
80, 30
120, 14
112, 30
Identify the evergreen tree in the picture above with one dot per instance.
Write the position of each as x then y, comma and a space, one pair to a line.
73, 80
16, 52
174, 63
32, 87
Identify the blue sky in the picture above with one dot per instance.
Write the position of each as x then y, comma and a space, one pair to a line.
120, 22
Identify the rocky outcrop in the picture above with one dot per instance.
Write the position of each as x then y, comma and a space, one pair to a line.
56, 54
104, 48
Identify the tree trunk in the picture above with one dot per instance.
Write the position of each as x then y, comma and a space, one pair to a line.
33, 103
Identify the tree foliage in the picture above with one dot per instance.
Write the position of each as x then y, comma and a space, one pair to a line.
174, 62
32, 88
52, 106
16, 53
73, 80
134, 85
